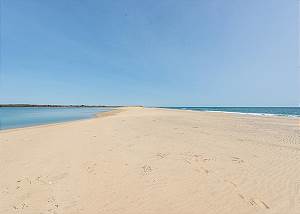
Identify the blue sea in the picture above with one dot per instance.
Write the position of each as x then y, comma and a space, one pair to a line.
16, 117
267, 111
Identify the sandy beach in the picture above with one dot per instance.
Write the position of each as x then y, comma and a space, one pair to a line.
147, 160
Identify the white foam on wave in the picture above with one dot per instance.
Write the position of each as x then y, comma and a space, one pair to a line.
254, 114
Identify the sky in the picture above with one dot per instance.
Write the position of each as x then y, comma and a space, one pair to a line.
150, 52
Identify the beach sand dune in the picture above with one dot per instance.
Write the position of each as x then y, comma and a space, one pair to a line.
147, 160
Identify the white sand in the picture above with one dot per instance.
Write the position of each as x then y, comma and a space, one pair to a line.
153, 161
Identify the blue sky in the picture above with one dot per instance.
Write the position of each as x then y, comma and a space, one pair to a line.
155, 53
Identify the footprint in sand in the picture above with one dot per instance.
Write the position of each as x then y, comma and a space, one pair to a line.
208, 159
241, 196
91, 168
146, 169
20, 206
161, 155
265, 205
255, 202
202, 170
252, 202
237, 160
53, 204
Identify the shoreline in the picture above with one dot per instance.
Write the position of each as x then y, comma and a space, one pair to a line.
237, 113
253, 114
242, 113
100, 114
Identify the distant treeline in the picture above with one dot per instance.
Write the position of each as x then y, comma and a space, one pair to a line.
56, 106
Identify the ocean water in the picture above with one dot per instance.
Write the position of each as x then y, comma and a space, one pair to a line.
16, 117
267, 111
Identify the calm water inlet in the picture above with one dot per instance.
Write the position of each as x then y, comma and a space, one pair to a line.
16, 117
